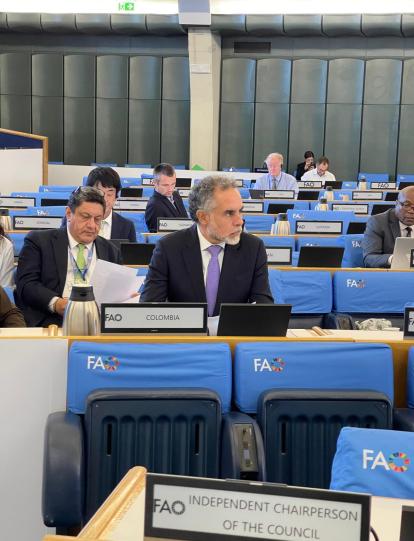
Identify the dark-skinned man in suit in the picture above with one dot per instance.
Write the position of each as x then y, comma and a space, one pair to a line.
52, 261
184, 263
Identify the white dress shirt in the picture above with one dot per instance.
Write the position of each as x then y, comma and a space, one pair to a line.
205, 254
71, 268
313, 175
6, 262
106, 227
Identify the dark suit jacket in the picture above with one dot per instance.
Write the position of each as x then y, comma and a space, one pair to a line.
122, 228
10, 316
379, 238
176, 271
42, 269
160, 207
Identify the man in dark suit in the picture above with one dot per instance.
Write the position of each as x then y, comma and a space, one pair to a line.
165, 202
113, 225
213, 260
382, 230
52, 261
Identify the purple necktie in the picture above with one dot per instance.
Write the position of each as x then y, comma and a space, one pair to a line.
213, 277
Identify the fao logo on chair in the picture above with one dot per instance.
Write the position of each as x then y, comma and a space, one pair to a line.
397, 461
277, 364
109, 363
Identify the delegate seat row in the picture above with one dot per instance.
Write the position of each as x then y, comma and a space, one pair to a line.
271, 413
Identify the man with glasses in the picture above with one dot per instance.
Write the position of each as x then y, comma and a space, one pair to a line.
52, 261
166, 202
382, 230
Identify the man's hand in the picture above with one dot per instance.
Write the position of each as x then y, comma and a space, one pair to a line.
60, 305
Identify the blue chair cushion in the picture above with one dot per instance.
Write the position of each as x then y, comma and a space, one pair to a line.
371, 292
309, 292
259, 223
94, 366
353, 251
375, 461
277, 240
410, 377
261, 366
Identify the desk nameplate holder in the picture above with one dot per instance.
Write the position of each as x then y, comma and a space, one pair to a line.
17, 202
383, 185
310, 184
146, 182
409, 322
184, 192
320, 227
279, 255
357, 208
201, 509
154, 318
173, 224
131, 203
365, 195
279, 194
256, 206
239, 182
36, 222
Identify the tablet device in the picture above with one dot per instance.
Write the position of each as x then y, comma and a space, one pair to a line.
183, 182
308, 195
49, 202
334, 184
391, 196
320, 256
356, 228
136, 253
407, 523
405, 183
277, 208
131, 192
378, 209
256, 194
253, 319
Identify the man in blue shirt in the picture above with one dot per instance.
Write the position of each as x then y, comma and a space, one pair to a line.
276, 179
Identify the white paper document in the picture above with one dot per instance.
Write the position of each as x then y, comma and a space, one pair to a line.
114, 283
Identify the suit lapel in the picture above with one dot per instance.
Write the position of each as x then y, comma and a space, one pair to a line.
60, 244
101, 249
191, 254
395, 225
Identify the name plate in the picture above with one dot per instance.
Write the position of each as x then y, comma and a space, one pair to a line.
376, 196
184, 192
280, 255
310, 183
36, 222
252, 207
356, 209
132, 203
147, 182
319, 226
409, 322
201, 509
239, 182
383, 185
173, 224
17, 202
279, 194
154, 318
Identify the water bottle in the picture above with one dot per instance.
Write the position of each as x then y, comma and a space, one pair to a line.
282, 225
329, 194
81, 317
5, 219
362, 186
322, 205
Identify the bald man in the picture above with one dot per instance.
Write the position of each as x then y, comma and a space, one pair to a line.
382, 230
276, 179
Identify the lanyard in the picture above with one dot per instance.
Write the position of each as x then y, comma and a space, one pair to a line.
278, 181
75, 267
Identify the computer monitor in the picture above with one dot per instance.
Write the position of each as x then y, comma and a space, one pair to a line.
334, 184
403, 251
136, 253
308, 195
356, 228
391, 196
256, 194
405, 183
320, 256
49, 202
183, 182
378, 209
407, 523
253, 319
277, 208
131, 192
117, 242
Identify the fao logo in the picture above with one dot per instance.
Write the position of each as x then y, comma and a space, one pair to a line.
177, 507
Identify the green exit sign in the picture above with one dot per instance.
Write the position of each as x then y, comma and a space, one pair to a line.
126, 6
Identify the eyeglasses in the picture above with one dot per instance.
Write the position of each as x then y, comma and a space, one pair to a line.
87, 190
406, 205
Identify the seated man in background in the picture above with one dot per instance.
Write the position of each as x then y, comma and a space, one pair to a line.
276, 179
10, 316
320, 172
165, 202
52, 261
212, 261
113, 225
382, 230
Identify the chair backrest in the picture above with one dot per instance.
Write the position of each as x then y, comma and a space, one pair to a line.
371, 292
375, 461
374, 177
353, 251
126, 182
56, 188
316, 215
18, 241
259, 223
319, 241
304, 394
309, 292
138, 218
277, 240
410, 378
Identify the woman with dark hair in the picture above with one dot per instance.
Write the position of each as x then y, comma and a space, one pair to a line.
10, 316
305, 166
6, 260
